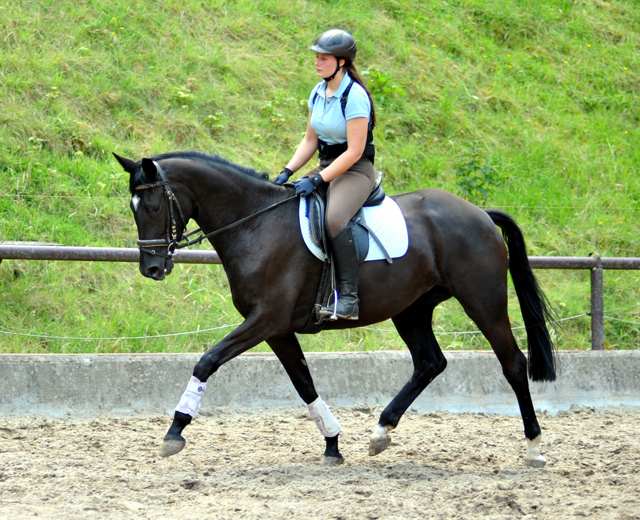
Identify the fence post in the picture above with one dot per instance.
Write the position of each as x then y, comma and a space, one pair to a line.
597, 305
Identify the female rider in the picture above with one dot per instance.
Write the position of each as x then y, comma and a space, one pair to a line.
343, 138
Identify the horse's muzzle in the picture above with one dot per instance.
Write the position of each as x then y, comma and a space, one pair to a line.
154, 266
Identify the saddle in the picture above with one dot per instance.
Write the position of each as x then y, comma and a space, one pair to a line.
315, 212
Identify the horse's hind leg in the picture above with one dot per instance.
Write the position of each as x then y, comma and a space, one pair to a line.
489, 312
514, 368
288, 350
414, 327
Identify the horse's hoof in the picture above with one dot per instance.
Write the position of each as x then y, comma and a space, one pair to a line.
377, 446
171, 447
379, 441
333, 461
535, 463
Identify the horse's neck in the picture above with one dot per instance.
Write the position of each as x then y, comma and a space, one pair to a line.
223, 199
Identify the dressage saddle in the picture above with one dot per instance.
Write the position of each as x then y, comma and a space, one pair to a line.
316, 211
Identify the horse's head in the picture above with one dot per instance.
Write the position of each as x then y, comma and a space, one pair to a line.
158, 216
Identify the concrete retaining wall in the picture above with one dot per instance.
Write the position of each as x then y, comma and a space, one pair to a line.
122, 384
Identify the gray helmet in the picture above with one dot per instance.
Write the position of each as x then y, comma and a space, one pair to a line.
336, 42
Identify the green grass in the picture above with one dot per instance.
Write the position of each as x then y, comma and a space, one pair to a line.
548, 89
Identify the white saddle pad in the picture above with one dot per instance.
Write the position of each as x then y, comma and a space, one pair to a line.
385, 220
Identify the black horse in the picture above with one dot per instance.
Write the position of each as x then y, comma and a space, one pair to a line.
455, 250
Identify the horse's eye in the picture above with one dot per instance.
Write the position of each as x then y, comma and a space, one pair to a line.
155, 210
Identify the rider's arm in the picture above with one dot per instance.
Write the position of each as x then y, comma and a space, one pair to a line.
306, 149
357, 129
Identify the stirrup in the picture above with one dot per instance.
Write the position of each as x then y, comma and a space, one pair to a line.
330, 313
333, 312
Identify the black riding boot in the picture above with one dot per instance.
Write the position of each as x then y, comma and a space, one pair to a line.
345, 258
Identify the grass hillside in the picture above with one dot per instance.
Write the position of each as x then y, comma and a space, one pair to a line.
531, 107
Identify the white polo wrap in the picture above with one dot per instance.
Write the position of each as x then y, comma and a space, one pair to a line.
190, 401
325, 421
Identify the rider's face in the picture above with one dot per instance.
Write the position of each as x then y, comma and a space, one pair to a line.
325, 65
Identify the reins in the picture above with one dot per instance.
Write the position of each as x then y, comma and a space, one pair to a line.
171, 241
230, 226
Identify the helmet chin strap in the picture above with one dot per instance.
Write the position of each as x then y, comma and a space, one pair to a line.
334, 74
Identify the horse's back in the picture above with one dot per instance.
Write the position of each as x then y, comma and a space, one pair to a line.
448, 219
453, 238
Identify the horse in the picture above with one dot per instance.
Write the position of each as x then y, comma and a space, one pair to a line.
455, 251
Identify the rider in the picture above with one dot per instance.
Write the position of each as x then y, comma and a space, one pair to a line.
343, 138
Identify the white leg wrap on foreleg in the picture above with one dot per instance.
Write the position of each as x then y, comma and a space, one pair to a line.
325, 421
190, 400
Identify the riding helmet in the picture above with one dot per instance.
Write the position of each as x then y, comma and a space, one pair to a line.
336, 42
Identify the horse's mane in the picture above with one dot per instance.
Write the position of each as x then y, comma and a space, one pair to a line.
214, 161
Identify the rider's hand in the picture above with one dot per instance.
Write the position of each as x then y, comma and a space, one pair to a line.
283, 177
306, 185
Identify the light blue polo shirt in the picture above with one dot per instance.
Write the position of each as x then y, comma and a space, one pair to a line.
327, 120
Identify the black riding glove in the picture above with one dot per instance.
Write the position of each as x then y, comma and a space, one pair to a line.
283, 177
306, 185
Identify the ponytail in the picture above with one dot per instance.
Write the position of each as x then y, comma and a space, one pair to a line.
350, 68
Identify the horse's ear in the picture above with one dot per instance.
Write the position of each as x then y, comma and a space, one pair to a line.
149, 169
127, 164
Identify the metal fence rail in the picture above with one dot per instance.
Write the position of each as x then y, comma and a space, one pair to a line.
96, 254
595, 264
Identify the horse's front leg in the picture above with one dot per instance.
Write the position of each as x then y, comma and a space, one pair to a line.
240, 340
288, 350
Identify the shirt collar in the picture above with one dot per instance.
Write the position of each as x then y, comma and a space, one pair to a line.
343, 86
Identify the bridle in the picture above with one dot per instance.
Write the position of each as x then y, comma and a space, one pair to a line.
171, 231
171, 241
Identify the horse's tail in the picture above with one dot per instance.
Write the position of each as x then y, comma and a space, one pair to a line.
535, 307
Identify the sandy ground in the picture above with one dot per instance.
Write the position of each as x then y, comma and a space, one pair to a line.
266, 464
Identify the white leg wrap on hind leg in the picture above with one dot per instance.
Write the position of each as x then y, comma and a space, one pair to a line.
190, 400
325, 421
534, 457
